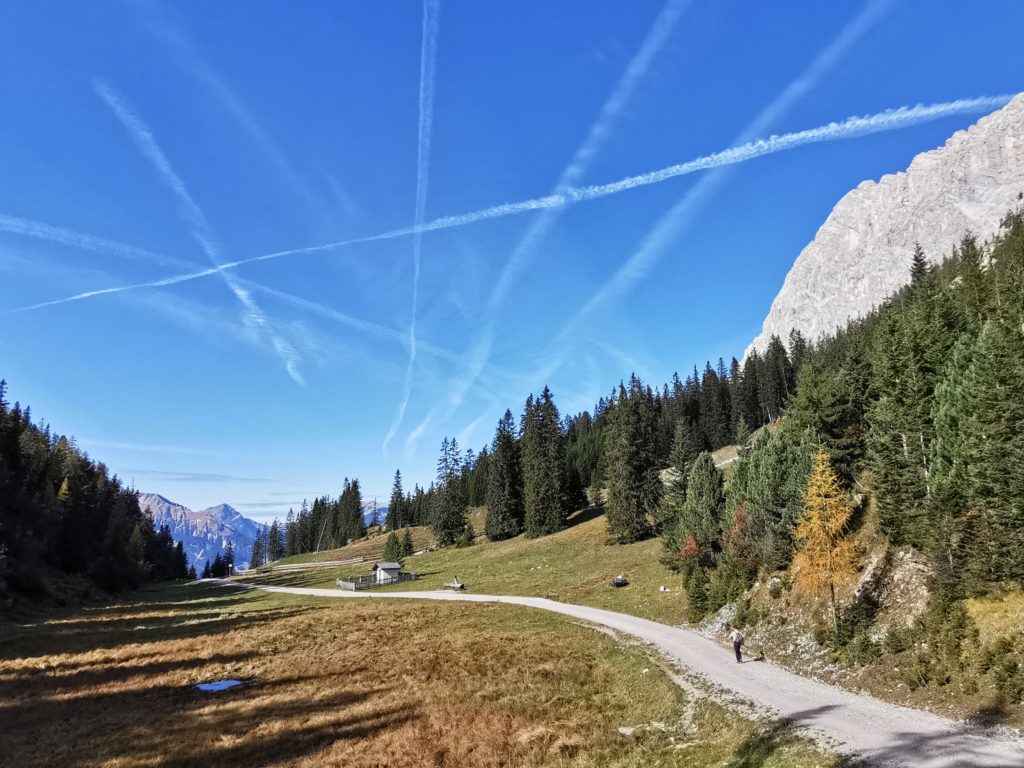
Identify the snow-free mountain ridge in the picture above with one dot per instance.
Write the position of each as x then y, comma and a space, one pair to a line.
862, 253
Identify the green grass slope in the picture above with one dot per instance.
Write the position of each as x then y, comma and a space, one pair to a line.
574, 565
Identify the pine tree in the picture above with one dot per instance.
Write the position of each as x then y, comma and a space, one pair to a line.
407, 546
256, 558
396, 505
919, 268
633, 483
275, 542
291, 535
450, 506
229, 558
543, 458
826, 557
207, 571
687, 445
466, 539
192, 572
505, 509
701, 515
393, 548
768, 483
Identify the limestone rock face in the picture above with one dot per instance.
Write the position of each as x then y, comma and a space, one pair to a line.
862, 253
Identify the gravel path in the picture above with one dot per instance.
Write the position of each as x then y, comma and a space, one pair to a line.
854, 724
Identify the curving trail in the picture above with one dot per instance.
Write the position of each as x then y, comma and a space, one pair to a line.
857, 725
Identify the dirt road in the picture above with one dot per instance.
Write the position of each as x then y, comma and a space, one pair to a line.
857, 725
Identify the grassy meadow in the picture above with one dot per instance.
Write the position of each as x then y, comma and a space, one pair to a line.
351, 683
574, 565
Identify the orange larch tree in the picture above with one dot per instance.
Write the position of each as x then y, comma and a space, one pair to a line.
826, 557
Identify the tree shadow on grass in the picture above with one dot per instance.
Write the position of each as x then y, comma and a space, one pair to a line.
584, 516
172, 725
757, 750
212, 611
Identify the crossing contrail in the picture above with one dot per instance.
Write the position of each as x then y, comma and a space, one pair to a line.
540, 226
202, 232
673, 221
428, 65
850, 128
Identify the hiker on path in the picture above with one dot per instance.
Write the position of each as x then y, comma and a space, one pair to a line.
737, 643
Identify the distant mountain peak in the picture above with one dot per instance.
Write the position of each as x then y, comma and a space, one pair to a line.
862, 253
205, 533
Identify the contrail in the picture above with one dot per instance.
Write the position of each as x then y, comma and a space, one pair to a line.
636, 70
188, 56
40, 230
668, 227
851, 128
428, 65
203, 233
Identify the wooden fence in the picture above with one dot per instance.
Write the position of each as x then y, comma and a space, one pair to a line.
369, 582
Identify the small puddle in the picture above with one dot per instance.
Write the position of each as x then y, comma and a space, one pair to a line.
219, 685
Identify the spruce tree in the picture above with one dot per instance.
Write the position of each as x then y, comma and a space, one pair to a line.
396, 504
207, 570
505, 508
275, 542
449, 518
393, 548
256, 557
701, 516
633, 482
407, 546
918, 265
543, 458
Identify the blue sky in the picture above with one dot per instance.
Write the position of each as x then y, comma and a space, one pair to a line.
144, 141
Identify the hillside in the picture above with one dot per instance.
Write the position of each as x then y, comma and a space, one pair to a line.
862, 253
574, 565
204, 533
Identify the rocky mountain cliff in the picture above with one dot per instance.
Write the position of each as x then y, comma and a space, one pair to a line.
862, 252
206, 533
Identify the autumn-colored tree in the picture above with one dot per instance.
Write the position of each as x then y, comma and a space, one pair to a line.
826, 556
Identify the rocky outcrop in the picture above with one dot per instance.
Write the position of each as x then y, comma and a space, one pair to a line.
862, 252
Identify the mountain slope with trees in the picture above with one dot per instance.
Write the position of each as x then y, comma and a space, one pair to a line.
64, 515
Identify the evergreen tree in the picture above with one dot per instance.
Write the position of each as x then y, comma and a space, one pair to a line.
466, 539
768, 485
291, 535
633, 483
543, 458
256, 558
229, 558
701, 516
207, 570
826, 557
275, 542
919, 269
396, 505
407, 546
687, 445
192, 573
393, 548
505, 509
449, 519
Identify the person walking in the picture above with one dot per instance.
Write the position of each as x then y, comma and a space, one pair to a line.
737, 643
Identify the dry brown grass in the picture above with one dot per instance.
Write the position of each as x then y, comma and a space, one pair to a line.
352, 683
